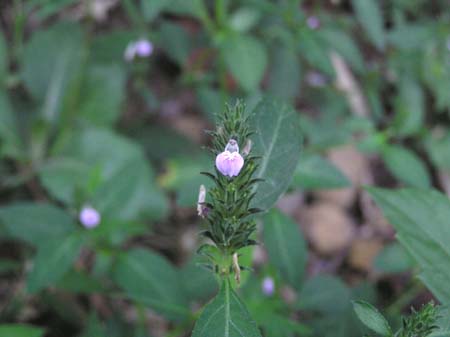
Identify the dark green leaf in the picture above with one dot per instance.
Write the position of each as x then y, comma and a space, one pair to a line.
3, 59
286, 246
152, 8
278, 140
372, 318
225, 316
150, 279
370, 17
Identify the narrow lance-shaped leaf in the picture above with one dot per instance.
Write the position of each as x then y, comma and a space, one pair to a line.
225, 316
372, 318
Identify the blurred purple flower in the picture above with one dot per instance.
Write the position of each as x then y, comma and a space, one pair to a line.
268, 286
230, 162
89, 217
315, 79
140, 48
313, 22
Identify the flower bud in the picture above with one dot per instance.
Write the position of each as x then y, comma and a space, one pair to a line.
89, 217
140, 48
230, 162
313, 22
268, 286
247, 148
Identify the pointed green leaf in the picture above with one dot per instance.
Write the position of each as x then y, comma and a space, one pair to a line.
370, 17
225, 316
286, 246
278, 140
372, 318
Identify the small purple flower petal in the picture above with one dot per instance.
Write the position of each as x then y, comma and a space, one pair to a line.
229, 163
313, 22
268, 286
89, 217
143, 48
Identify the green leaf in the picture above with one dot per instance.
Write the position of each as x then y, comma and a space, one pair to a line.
286, 246
244, 19
150, 279
175, 41
372, 318
10, 143
102, 81
393, 259
152, 8
421, 218
443, 323
315, 51
50, 61
53, 260
3, 59
278, 140
410, 107
438, 148
227, 316
285, 73
325, 294
198, 282
370, 17
406, 166
314, 172
20, 330
246, 58
36, 223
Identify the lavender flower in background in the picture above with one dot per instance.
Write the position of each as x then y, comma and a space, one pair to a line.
230, 162
316, 79
268, 286
89, 217
141, 48
313, 22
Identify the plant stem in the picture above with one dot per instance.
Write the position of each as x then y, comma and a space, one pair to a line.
406, 298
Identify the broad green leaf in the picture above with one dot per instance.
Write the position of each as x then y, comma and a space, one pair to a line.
421, 218
20, 330
325, 294
150, 279
102, 81
225, 316
286, 246
314, 172
285, 73
198, 282
175, 41
152, 8
438, 148
410, 107
3, 59
36, 223
372, 318
370, 16
393, 259
244, 19
50, 61
246, 58
406, 166
53, 260
278, 141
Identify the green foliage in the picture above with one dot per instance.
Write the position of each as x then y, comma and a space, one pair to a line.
225, 316
370, 17
393, 259
20, 330
371, 317
410, 211
286, 246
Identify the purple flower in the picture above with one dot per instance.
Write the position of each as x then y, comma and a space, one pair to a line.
230, 162
140, 48
268, 286
313, 22
316, 79
89, 217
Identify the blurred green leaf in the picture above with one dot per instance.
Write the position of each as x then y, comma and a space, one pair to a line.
409, 36
225, 316
152, 8
109, 48
372, 318
438, 147
53, 260
406, 166
175, 41
443, 323
393, 259
48, 8
80, 282
278, 140
286, 247
315, 50
10, 144
20, 330
51, 59
421, 218
198, 282
410, 107
324, 294
244, 19
246, 58
150, 279
211, 101
370, 17
3, 59
285, 73
102, 81
36, 223
314, 172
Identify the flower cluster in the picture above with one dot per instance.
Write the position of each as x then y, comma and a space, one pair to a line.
227, 208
